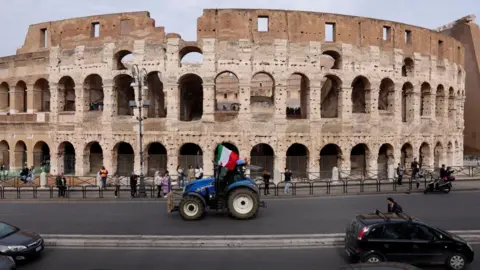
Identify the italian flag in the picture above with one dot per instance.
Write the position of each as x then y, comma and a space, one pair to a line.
226, 158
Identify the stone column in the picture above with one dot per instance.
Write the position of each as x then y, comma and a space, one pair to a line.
108, 161
313, 165
315, 100
29, 157
345, 165
82, 101
208, 159
432, 98
280, 102
397, 105
172, 160
109, 101
371, 102
280, 163
452, 111
16, 99
54, 109
208, 103
171, 99
80, 169
345, 104
244, 99
414, 113
33, 97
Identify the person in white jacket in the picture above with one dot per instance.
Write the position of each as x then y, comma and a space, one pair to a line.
158, 183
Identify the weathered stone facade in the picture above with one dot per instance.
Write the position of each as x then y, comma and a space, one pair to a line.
359, 101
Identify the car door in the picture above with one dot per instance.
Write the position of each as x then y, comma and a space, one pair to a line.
428, 245
395, 243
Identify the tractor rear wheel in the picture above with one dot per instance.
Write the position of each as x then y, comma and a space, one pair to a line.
191, 208
243, 203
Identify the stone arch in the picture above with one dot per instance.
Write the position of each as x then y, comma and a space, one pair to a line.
41, 156
93, 157
41, 100
124, 155
406, 155
190, 55
21, 96
262, 155
122, 59
440, 102
408, 67
298, 159
93, 94
329, 104
385, 162
156, 95
190, 154
4, 155
359, 160
438, 157
330, 157
331, 60
66, 94
424, 155
425, 103
4, 97
66, 158
157, 158
360, 90
386, 96
124, 93
227, 90
407, 102
20, 154
262, 93
450, 153
298, 96
191, 97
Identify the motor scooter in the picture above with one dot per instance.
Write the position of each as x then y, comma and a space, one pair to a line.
440, 185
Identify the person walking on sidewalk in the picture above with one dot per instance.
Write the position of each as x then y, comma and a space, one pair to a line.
103, 176
116, 181
61, 184
415, 169
133, 184
288, 180
158, 183
198, 172
181, 176
166, 184
400, 173
266, 182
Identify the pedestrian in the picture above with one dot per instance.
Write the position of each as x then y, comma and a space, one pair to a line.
266, 182
158, 183
116, 181
166, 184
393, 206
287, 180
415, 170
61, 184
181, 176
198, 172
133, 185
191, 173
24, 174
400, 173
103, 176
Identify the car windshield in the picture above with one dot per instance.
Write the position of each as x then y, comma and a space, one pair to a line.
6, 230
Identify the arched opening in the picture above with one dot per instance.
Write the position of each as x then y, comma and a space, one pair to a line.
125, 157
406, 155
385, 160
331, 60
67, 160
4, 155
262, 155
262, 94
227, 90
41, 156
424, 155
298, 96
438, 158
157, 158
330, 157
407, 102
190, 55
451, 103
408, 67
93, 93
440, 102
95, 157
459, 76
191, 97
156, 95
190, 154
425, 104
386, 97
125, 93
122, 60
360, 87
4, 97
66, 94
20, 154
329, 104
358, 160
450, 154
21, 96
41, 100
297, 160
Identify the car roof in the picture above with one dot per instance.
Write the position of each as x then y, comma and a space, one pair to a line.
380, 218
379, 266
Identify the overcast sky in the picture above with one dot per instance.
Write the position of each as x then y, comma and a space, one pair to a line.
180, 16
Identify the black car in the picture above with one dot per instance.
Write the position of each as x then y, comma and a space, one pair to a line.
379, 237
379, 266
18, 244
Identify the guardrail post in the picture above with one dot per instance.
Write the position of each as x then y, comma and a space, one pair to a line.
100, 192
35, 192
2, 192
18, 192
84, 192
310, 185
294, 189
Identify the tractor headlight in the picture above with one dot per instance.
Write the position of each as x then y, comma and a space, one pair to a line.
12, 248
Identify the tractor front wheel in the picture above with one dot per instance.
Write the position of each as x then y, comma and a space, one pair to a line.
243, 203
191, 208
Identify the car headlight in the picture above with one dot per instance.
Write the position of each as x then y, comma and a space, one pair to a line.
12, 248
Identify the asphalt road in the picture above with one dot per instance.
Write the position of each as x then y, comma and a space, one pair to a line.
454, 211
60, 259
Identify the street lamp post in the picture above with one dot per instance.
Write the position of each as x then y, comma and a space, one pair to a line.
139, 78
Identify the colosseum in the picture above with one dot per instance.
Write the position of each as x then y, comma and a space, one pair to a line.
303, 90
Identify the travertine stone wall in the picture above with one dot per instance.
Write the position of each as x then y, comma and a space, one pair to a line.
360, 103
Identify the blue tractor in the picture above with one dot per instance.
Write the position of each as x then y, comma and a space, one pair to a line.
229, 190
